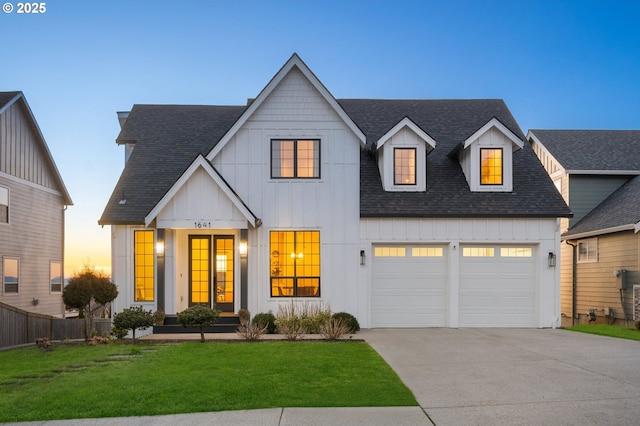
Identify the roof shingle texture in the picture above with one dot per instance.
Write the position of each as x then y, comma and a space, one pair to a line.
168, 138
593, 149
619, 209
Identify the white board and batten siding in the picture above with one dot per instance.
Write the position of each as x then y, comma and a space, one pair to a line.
295, 110
506, 289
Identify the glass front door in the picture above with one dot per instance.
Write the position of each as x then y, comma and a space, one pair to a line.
208, 272
199, 270
224, 272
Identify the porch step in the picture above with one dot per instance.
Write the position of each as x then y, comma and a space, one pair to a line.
227, 323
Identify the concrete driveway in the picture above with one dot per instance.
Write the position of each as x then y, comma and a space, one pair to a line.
515, 376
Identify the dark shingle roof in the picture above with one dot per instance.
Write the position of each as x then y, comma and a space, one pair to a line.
449, 122
168, 138
593, 149
620, 209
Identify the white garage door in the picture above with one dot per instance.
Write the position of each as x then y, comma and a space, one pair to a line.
409, 286
497, 286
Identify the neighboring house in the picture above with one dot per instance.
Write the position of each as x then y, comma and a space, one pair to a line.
596, 171
404, 213
33, 199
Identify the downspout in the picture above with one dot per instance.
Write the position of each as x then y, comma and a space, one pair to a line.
574, 280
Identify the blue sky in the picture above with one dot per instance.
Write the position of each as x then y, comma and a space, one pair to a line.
557, 64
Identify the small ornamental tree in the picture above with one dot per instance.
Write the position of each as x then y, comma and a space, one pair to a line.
198, 316
132, 319
89, 291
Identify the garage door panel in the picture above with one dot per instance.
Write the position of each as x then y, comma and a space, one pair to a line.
408, 291
498, 290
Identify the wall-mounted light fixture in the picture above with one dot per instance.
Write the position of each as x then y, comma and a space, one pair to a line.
243, 248
552, 259
35, 301
362, 257
159, 247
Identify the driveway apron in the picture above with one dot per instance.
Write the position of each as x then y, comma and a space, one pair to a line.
515, 376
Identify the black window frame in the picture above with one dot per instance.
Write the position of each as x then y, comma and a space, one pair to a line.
296, 290
415, 166
501, 166
295, 158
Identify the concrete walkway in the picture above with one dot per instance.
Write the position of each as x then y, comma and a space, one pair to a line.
516, 376
468, 377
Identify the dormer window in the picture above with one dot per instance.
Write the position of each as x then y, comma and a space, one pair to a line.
491, 166
404, 166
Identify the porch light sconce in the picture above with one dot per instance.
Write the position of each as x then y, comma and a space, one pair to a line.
243, 248
362, 257
160, 248
552, 259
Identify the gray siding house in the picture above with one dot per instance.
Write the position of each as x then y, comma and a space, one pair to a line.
596, 171
33, 199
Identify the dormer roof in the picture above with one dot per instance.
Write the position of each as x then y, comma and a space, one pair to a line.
408, 123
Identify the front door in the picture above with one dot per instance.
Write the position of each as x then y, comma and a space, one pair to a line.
207, 273
224, 271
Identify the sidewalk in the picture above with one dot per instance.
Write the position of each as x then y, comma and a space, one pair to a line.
369, 416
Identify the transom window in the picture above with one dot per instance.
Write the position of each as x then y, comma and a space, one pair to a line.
389, 251
144, 266
516, 252
404, 166
295, 158
295, 263
491, 166
10, 275
588, 250
55, 277
478, 251
4, 205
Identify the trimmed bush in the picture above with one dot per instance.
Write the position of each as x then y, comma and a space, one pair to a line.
132, 319
265, 320
198, 316
349, 320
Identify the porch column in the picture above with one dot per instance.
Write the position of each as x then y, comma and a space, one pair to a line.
160, 250
244, 270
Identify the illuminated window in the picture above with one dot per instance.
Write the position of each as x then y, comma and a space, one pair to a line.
404, 166
491, 166
295, 159
10, 275
588, 250
427, 252
295, 263
55, 277
144, 266
478, 251
389, 252
4, 205
516, 252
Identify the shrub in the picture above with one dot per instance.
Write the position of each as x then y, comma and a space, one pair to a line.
251, 331
313, 316
267, 320
43, 343
288, 322
119, 333
245, 316
159, 316
334, 328
89, 291
198, 316
349, 320
132, 319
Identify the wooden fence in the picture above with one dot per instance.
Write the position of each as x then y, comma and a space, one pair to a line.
18, 327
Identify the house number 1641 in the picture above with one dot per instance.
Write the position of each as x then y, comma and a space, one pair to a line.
202, 224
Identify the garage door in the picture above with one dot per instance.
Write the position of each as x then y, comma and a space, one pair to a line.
497, 286
409, 286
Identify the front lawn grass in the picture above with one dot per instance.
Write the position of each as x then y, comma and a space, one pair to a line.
608, 330
79, 381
